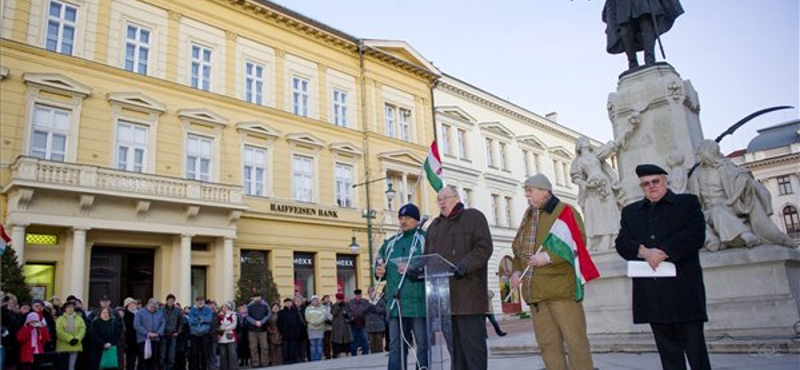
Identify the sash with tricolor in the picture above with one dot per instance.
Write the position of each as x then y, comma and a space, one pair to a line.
565, 241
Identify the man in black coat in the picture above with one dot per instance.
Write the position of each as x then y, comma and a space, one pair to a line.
665, 226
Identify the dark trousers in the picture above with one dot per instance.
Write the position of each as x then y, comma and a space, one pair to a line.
168, 348
131, 352
327, 345
152, 362
291, 350
359, 340
467, 343
677, 343
199, 350
493, 320
647, 39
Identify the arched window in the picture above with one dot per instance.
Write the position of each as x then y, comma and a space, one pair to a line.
792, 221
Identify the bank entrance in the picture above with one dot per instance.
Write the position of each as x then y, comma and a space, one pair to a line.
120, 273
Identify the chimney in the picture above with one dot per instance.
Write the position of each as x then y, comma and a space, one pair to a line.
553, 116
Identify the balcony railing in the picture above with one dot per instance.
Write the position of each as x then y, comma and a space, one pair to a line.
34, 172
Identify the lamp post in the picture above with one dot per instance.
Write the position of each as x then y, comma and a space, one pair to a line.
369, 214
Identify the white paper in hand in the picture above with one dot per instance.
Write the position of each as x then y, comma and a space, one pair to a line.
642, 269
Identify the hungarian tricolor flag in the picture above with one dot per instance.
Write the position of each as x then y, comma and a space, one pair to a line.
4, 240
433, 168
565, 241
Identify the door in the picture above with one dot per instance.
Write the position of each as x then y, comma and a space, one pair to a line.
120, 273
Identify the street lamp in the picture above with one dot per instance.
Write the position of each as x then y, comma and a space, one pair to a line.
369, 214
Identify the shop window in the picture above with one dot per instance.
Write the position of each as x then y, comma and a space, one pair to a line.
304, 274
345, 274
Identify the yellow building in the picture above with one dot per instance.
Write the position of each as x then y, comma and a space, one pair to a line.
150, 147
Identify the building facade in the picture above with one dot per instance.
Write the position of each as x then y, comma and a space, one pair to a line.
773, 157
154, 146
489, 146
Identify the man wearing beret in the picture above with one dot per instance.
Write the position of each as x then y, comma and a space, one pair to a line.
405, 297
462, 236
665, 226
552, 242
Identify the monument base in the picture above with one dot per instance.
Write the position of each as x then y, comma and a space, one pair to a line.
752, 297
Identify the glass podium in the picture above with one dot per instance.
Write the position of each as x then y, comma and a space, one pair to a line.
436, 272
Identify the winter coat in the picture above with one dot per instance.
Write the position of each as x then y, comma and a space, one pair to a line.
358, 311
315, 318
341, 332
200, 320
291, 324
258, 312
64, 337
412, 293
376, 317
676, 225
148, 322
172, 320
464, 239
25, 338
227, 324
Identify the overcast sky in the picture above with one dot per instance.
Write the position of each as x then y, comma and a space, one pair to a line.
549, 55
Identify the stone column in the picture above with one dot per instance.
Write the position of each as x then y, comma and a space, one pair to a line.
227, 270
185, 268
78, 268
18, 241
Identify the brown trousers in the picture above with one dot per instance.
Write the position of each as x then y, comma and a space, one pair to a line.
557, 323
259, 356
376, 342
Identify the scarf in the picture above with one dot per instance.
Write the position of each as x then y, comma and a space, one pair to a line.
456, 211
525, 241
71, 323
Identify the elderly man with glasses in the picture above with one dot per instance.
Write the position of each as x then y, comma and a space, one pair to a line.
665, 226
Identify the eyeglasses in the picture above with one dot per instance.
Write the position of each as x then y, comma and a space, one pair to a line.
654, 182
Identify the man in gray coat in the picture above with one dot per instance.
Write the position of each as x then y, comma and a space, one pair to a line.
462, 237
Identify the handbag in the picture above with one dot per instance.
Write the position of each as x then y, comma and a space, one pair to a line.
229, 335
109, 358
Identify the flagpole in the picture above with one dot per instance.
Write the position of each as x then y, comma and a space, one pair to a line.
414, 189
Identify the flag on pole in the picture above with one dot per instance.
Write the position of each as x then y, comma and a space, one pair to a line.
433, 168
565, 240
4, 240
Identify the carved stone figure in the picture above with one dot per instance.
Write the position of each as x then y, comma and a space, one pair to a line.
736, 206
634, 25
677, 172
598, 193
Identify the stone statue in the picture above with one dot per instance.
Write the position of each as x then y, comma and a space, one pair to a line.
598, 193
634, 25
677, 172
736, 206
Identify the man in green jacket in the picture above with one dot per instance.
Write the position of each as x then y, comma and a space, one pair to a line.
406, 307
543, 251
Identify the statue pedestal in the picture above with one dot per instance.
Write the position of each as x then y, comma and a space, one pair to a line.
752, 297
653, 113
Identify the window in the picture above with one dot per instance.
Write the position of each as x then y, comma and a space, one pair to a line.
495, 209
201, 67
489, 152
50, 133
300, 96
462, 144
303, 168
253, 82
445, 139
557, 169
339, 108
792, 221
137, 49
389, 112
403, 116
535, 162
509, 209
255, 164
344, 185
198, 282
198, 158
131, 146
784, 185
61, 23
467, 197
504, 156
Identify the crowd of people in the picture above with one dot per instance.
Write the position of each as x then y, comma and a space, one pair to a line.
203, 336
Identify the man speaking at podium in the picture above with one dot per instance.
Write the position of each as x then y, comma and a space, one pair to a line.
462, 237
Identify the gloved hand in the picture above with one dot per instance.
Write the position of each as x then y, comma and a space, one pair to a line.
458, 271
73, 342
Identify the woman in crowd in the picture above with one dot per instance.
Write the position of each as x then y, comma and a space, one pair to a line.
341, 336
103, 334
316, 315
32, 338
131, 347
227, 340
70, 330
242, 341
275, 339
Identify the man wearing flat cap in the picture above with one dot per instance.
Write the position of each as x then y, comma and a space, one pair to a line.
551, 263
404, 296
665, 226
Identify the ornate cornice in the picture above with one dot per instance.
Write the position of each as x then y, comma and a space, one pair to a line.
486, 103
789, 158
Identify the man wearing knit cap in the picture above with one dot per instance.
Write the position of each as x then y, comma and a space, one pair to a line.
173, 319
405, 297
549, 241
462, 236
665, 226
